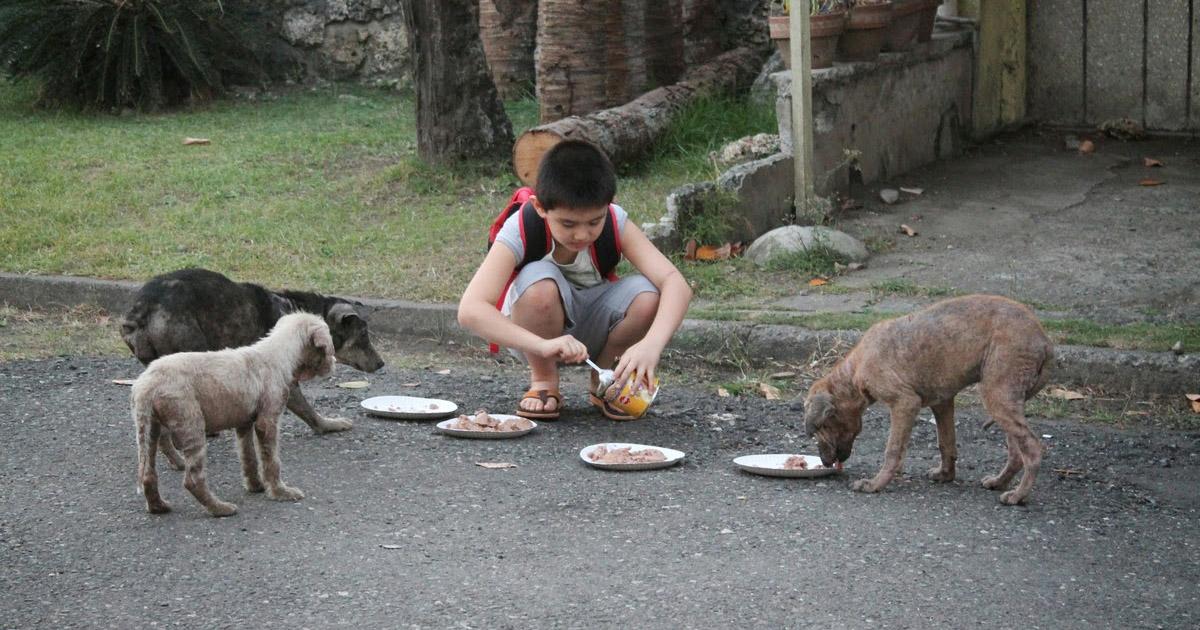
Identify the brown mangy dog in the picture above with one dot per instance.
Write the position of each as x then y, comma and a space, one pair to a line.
183, 396
923, 360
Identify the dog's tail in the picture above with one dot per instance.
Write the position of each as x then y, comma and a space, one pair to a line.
147, 431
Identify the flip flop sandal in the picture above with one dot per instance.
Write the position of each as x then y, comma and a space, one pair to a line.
609, 411
543, 395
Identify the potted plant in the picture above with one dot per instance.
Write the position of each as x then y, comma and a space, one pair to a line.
906, 21
827, 19
866, 30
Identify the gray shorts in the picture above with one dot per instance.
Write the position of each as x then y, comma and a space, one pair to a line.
591, 313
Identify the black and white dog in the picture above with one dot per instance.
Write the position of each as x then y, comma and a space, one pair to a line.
196, 310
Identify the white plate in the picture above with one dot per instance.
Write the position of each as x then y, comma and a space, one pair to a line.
772, 465
673, 456
444, 427
409, 407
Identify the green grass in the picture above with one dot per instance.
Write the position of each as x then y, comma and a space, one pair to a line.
319, 190
1152, 337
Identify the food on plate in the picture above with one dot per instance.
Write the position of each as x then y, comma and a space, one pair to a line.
625, 455
481, 421
796, 462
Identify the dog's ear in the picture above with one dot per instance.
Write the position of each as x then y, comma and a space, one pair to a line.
817, 411
319, 337
344, 314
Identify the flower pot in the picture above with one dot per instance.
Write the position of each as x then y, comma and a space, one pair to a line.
865, 33
928, 15
906, 20
824, 31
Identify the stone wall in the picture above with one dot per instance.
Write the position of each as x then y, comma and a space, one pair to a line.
338, 40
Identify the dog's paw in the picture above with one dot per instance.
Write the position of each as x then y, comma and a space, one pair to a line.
938, 474
333, 425
864, 485
253, 485
1013, 498
221, 508
159, 507
995, 482
285, 493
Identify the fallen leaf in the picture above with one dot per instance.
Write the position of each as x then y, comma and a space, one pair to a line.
912, 191
689, 250
191, 141
443, 372
1086, 146
818, 282
1195, 400
904, 229
769, 391
353, 384
392, 546
783, 375
1151, 162
1065, 394
1151, 182
123, 381
409, 384
1135, 412
714, 252
495, 464
722, 392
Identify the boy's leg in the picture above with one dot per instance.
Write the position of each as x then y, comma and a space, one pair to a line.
614, 317
632, 328
540, 311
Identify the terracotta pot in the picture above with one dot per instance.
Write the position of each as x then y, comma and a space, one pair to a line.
824, 31
906, 20
928, 16
865, 33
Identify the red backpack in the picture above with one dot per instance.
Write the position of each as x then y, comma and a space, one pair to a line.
535, 236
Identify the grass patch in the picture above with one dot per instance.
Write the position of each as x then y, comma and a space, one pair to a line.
908, 288
39, 334
318, 190
1141, 336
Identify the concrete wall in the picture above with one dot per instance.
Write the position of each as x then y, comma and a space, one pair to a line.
1096, 60
901, 112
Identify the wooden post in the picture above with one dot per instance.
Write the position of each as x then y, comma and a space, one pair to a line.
802, 123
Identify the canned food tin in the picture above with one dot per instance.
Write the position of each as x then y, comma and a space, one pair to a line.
634, 404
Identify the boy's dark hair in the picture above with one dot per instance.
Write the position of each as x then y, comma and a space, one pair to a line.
575, 174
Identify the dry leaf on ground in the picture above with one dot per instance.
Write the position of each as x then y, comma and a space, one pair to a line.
1195, 400
495, 464
689, 250
353, 384
714, 252
1149, 181
192, 141
770, 392
912, 190
123, 381
392, 546
818, 282
722, 392
782, 375
1150, 162
409, 384
904, 229
443, 372
1086, 146
1065, 394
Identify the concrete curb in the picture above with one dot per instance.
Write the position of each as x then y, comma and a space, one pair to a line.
1138, 373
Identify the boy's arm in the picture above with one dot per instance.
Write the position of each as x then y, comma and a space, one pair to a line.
674, 296
477, 312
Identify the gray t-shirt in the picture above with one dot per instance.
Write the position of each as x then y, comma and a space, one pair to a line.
580, 272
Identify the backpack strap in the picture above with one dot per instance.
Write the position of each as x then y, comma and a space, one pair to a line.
606, 251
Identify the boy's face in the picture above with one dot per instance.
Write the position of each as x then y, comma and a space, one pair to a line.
573, 228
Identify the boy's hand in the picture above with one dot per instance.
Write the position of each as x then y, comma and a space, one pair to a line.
641, 357
566, 349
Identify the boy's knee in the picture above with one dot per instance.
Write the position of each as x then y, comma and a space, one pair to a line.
643, 308
541, 295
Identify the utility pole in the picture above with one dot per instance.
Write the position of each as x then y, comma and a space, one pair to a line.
802, 125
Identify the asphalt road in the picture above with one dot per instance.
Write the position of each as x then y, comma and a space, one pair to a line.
401, 529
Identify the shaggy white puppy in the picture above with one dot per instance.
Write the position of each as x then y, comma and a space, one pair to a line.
181, 397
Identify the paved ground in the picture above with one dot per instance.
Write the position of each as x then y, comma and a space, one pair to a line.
1074, 234
401, 529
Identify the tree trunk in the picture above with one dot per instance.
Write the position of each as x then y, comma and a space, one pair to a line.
459, 114
701, 32
664, 41
633, 25
626, 132
509, 32
572, 50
